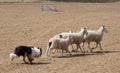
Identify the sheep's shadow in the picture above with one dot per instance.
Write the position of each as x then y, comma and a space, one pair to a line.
89, 54
38, 63
73, 55
102, 52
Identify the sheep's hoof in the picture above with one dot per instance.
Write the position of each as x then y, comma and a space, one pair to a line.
91, 51
26, 62
84, 54
31, 63
92, 48
73, 51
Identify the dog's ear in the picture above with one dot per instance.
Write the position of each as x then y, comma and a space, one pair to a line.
40, 48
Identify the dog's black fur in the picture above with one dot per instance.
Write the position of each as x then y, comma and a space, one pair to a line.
23, 50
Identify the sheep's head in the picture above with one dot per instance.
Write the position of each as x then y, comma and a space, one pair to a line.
60, 36
70, 31
104, 29
84, 31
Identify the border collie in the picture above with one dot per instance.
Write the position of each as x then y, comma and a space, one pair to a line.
26, 51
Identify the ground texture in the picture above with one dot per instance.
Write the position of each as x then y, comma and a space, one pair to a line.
26, 24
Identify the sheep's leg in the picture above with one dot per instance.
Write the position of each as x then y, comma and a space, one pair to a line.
83, 46
54, 51
48, 51
62, 52
78, 46
81, 49
100, 46
89, 47
69, 52
96, 45
72, 47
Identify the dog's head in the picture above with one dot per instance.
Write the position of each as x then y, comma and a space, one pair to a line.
36, 51
40, 51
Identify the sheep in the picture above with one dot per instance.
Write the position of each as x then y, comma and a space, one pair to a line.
95, 36
77, 37
59, 43
59, 36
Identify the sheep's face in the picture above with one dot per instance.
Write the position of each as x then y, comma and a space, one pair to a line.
105, 29
70, 31
84, 30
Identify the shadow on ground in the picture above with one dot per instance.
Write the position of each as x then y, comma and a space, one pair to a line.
39, 63
88, 1
88, 54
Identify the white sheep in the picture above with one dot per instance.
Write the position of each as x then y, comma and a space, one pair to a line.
78, 37
95, 36
59, 43
59, 36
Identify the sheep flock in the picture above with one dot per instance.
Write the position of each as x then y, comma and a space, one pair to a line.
62, 40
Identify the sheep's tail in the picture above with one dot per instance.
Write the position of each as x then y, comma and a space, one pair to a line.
12, 56
48, 49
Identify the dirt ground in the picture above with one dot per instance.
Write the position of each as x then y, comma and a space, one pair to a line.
26, 24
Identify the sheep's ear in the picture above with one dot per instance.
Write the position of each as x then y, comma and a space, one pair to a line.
84, 28
60, 36
103, 26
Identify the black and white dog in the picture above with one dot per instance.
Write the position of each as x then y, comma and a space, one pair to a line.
26, 51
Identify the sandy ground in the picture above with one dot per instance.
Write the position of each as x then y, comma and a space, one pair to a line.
26, 24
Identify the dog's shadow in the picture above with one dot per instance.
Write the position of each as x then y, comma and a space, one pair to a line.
36, 63
89, 54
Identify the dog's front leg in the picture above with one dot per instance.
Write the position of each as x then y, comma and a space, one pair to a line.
30, 59
24, 59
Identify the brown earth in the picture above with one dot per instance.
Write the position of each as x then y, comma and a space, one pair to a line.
26, 24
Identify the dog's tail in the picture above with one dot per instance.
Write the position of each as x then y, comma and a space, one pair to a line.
12, 56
